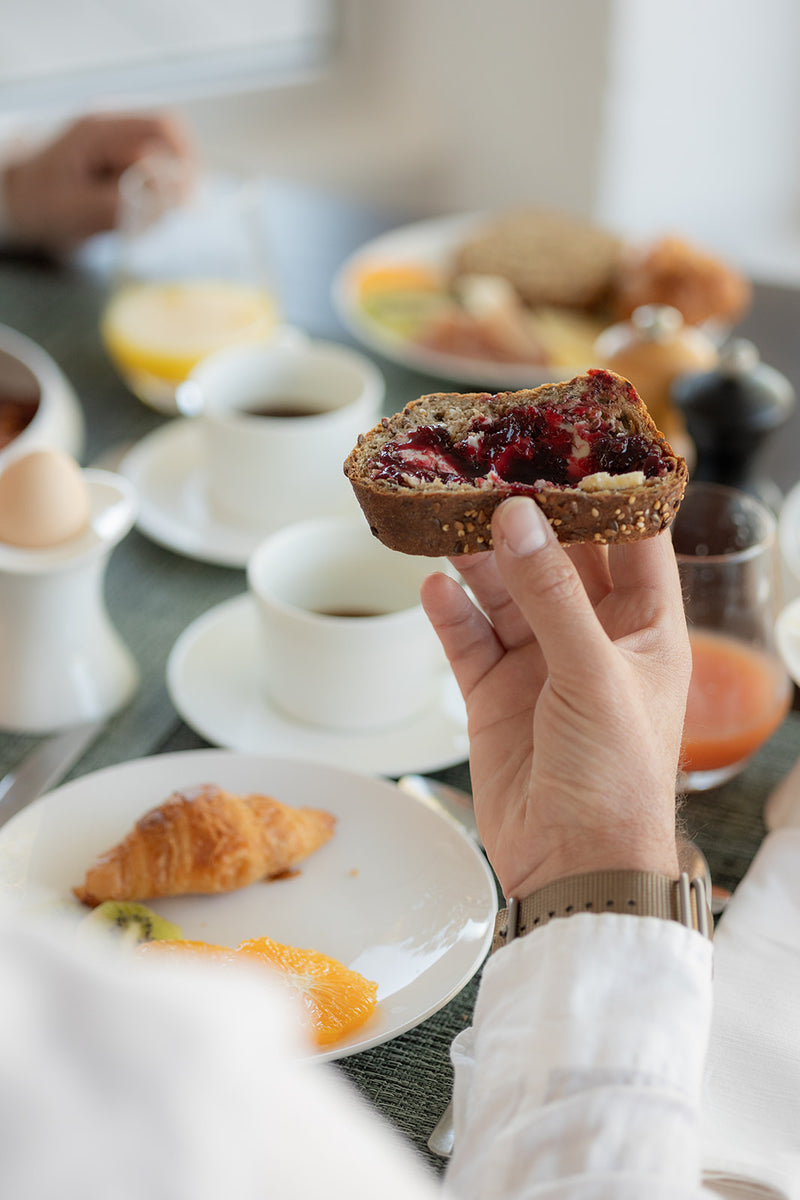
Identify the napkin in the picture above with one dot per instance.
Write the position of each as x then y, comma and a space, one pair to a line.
124, 1078
751, 1101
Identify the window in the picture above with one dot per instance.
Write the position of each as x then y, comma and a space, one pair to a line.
93, 53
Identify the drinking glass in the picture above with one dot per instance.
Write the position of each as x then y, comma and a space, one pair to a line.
192, 276
725, 544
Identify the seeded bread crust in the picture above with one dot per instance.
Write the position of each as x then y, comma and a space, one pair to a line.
453, 518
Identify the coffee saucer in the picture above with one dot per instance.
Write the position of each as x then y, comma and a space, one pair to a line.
215, 682
167, 468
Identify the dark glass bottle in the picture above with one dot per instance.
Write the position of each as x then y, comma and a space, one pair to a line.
729, 413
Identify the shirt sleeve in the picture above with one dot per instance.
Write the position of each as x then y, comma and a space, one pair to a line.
124, 1078
581, 1076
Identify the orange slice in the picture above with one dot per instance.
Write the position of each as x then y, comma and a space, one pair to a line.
336, 1000
163, 329
402, 299
184, 948
400, 277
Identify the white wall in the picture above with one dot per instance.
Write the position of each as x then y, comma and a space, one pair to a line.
652, 115
435, 105
703, 126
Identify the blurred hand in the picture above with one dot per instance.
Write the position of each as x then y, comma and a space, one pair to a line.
575, 682
68, 190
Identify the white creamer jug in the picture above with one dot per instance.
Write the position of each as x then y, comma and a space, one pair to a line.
61, 660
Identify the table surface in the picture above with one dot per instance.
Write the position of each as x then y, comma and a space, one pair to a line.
153, 594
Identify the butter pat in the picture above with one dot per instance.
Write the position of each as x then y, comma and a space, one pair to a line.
603, 481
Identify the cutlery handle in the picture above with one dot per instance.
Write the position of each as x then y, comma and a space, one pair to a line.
45, 766
443, 1136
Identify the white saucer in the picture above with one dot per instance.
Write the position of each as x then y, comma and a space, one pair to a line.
214, 681
167, 469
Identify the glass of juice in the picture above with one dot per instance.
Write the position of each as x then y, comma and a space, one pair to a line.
192, 276
725, 544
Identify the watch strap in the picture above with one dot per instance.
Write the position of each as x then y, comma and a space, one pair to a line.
634, 893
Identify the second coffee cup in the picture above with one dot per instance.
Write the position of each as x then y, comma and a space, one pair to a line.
278, 421
346, 643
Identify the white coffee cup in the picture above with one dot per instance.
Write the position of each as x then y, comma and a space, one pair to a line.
279, 419
346, 642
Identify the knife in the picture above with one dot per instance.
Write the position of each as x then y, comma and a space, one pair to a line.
451, 801
44, 766
443, 1138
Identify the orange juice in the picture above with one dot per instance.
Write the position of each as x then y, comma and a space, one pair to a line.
738, 696
157, 332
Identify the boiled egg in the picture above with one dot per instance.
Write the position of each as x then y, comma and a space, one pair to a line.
44, 500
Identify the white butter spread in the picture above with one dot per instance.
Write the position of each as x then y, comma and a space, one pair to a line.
603, 481
580, 447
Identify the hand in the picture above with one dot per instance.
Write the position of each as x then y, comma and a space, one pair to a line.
63, 193
575, 681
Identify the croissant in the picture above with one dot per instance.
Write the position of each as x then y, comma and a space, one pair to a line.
205, 840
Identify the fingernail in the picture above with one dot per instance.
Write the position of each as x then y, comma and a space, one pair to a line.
523, 526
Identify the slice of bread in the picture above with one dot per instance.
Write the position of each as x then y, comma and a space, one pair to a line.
587, 451
548, 257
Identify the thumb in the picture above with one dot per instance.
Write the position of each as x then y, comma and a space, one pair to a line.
548, 590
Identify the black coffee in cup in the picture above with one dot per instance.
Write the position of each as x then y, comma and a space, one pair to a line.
281, 407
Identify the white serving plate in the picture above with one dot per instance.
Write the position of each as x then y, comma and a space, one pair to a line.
400, 893
429, 243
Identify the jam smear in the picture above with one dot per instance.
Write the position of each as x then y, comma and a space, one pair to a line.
524, 447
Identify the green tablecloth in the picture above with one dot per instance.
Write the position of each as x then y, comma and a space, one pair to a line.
153, 595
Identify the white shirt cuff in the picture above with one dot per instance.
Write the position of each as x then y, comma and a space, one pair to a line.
586, 1056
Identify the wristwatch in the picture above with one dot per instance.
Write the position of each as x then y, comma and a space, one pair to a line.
635, 893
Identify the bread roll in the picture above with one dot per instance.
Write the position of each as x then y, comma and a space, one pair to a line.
429, 478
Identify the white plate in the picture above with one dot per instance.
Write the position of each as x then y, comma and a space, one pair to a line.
787, 638
429, 243
789, 541
214, 681
399, 893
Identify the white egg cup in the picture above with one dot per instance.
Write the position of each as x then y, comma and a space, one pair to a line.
61, 660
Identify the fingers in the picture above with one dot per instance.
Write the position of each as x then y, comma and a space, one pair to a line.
68, 190
467, 638
90, 210
103, 148
591, 563
548, 590
115, 142
649, 566
481, 573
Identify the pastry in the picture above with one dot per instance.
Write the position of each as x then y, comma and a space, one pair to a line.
673, 272
587, 451
205, 840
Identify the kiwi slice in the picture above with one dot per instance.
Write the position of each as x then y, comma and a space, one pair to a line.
130, 923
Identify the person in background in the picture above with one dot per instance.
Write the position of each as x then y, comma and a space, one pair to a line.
581, 1076
54, 196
